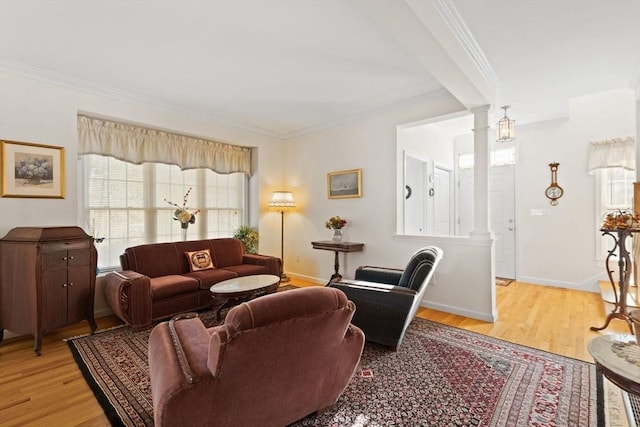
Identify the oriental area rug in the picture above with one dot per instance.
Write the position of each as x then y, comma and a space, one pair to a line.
440, 376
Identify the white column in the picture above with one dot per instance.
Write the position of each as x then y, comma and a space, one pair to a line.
481, 172
638, 137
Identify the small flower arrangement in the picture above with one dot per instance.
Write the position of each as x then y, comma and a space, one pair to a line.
183, 213
335, 223
620, 219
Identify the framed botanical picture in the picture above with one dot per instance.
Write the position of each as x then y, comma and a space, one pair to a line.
344, 184
32, 170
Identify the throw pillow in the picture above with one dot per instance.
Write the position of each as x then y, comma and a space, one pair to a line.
199, 260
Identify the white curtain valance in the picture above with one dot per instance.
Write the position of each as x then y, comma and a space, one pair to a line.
613, 153
138, 145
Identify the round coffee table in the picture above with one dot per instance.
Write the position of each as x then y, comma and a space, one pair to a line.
240, 289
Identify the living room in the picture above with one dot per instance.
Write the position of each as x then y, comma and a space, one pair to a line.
556, 249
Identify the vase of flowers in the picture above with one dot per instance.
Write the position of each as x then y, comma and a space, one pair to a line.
336, 223
184, 214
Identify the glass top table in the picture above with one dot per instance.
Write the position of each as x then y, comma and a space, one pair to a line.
240, 289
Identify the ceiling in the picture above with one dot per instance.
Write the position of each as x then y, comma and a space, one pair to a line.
283, 68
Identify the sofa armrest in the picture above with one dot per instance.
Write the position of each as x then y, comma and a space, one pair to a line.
128, 293
369, 273
272, 263
177, 369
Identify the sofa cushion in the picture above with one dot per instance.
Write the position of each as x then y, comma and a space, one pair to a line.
226, 252
248, 269
199, 260
172, 285
156, 259
208, 278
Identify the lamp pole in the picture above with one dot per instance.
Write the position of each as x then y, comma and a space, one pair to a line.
283, 276
282, 201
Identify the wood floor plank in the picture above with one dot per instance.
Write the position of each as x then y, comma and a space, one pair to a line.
49, 390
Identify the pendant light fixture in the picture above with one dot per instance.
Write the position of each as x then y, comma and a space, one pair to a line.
505, 129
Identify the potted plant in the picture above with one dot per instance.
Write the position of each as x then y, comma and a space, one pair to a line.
249, 237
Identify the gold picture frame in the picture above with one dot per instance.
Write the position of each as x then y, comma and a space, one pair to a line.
344, 184
32, 170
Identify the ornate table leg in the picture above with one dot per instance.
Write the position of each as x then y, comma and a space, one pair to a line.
336, 267
624, 269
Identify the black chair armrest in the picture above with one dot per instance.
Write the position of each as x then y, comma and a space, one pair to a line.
379, 274
373, 287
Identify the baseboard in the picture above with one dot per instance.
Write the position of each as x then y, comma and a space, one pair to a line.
485, 317
589, 285
308, 278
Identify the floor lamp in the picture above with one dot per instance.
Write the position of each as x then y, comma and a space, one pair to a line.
282, 201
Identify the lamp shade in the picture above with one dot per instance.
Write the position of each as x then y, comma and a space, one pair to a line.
506, 128
282, 200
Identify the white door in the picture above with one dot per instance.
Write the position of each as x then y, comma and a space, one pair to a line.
442, 209
414, 195
502, 211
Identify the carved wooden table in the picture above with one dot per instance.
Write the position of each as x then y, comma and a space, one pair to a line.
240, 289
620, 251
337, 247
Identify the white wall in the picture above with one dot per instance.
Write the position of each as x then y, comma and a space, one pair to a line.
41, 112
370, 144
559, 248
425, 143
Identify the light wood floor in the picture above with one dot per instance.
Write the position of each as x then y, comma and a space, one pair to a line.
50, 391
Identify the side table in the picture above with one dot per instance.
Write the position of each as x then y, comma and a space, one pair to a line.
337, 247
618, 358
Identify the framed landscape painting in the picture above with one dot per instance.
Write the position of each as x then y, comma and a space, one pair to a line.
32, 170
344, 184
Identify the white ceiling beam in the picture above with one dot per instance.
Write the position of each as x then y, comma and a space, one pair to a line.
424, 30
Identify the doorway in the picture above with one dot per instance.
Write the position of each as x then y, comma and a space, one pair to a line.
502, 211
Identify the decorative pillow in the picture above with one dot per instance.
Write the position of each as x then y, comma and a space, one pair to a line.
199, 260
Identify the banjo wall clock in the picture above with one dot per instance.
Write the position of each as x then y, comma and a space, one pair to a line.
554, 191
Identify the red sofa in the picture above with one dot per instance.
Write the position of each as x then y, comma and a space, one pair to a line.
157, 280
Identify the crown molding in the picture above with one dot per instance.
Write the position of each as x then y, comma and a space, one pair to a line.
136, 99
398, 105
456, 24
76, 83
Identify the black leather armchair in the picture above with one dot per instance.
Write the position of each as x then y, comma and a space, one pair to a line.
387, 299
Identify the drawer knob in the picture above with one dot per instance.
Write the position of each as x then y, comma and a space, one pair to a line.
64, 258
64, 285
70, 257
70, 283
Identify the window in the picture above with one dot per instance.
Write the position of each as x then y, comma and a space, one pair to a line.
127, 204
614, 191
498, 157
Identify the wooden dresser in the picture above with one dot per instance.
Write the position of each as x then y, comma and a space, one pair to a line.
47, 280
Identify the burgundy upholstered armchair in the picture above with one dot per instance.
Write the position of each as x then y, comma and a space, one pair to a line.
276, 359
387, 299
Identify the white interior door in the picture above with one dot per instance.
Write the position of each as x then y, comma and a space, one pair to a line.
443, 207
415, 209
502, 209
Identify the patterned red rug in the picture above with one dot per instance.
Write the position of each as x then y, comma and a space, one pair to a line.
441, 376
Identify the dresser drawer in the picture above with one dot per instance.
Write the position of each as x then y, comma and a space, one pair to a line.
64, 259
54, 260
